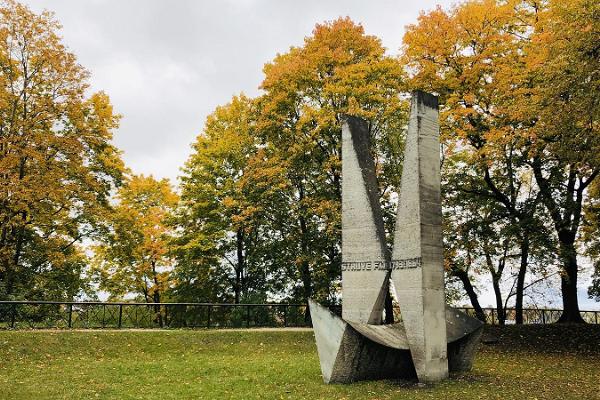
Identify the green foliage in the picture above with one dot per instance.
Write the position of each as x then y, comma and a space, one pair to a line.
229, 191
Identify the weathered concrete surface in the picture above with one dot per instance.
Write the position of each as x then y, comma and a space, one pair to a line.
461, 353
348, 356
329, 331
392, 335
420, 290
464, 333
459, 324
363, 235
352, 351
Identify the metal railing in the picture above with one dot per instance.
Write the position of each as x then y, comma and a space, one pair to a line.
89, 315
531, 316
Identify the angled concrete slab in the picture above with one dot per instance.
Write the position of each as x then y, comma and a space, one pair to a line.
464, 334
329, 332
364, 251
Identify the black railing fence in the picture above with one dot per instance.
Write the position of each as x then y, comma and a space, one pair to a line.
87, 315
90, 315
531, 316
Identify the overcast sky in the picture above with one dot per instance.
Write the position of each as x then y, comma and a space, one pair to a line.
167, 64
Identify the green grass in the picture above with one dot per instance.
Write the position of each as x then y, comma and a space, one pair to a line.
527, 363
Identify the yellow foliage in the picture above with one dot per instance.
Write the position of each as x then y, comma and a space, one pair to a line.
58, 165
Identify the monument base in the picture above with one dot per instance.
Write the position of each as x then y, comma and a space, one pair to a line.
350, 351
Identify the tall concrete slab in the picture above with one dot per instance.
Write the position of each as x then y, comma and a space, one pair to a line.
364, 252
329, 333
417, 259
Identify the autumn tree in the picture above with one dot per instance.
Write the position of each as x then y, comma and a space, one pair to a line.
474, 43
230, 191
592, 237
559, 102
460, 255
338, 70
57, 164
483, 59
261, 194
133, 257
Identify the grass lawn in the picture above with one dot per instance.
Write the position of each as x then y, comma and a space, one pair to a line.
545, 362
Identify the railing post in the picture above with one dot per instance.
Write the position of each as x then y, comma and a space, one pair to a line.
70, 315
103, 315
248, 316
120, 315
13, 315
543, 316
208, 316
285, 307
596, 316
493, 318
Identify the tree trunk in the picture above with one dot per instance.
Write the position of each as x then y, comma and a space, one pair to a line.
5, 272
566, 224
389, 308
464, 278
156, 296
305, 267
499, 303
22, 164
20, 241
568, 284
240, 265
145, 292
521, 279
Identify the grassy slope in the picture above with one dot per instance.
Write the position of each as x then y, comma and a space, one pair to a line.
527, 363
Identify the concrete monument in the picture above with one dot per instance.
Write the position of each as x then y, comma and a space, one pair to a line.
432, 338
